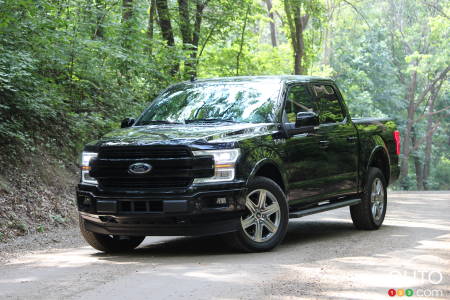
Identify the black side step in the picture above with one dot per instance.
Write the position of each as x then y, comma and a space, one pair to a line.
322, 208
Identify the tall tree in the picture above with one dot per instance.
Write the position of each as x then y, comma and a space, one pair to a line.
150, 27
165, 25
99, 8
127, 15
272, 26
241, 43
297, 20
190, 33
298, 14
411, 56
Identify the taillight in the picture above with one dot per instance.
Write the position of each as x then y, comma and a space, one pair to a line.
397, 141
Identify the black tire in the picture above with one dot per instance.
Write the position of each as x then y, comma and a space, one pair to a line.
242, 240
362, 214
108, 243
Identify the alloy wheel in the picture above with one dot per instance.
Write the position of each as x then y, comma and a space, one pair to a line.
263, 216
377, 199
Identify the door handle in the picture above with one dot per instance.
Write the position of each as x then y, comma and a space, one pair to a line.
351, 139
324, 144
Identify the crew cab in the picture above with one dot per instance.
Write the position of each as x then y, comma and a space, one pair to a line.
236, 156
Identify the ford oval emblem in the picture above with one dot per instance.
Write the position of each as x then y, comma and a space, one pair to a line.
139, 168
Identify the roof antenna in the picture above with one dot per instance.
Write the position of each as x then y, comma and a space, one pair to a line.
192, 78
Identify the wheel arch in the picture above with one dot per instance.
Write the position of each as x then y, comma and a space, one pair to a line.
379, 158
270, 169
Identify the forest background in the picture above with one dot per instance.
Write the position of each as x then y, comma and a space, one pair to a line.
70, 70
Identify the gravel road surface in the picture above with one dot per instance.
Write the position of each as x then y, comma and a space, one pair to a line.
323, 256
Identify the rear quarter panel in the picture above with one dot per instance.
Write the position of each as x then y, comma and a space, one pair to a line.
377, 135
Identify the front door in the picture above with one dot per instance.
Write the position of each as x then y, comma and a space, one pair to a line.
306, 162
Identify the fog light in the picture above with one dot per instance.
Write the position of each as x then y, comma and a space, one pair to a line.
87, 201
221, 201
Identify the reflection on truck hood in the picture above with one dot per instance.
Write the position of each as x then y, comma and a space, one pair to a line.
185, 133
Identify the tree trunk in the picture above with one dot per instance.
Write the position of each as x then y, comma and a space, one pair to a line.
241, 44
166, 28
428, 143
127, 15
150, 27
298, 55
417, 163
185, 25
196, 35
272, 27
429, 135
297, 24
186, 35
327, 42
189, 35
99, 16
406, 144
164, 22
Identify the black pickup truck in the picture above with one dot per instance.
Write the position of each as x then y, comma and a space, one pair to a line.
239, 157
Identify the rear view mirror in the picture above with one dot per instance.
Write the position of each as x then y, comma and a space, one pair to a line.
306, 119
128, 122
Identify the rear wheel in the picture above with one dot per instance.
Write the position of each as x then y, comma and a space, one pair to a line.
110, 243
264, 224
370, 213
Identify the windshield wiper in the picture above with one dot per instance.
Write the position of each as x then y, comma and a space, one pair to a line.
157, 122
209, 120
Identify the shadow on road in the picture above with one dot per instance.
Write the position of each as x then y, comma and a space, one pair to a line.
307, 238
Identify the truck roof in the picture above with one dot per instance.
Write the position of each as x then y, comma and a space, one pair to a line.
285, 78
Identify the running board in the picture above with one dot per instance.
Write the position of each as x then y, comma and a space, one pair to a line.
322, 208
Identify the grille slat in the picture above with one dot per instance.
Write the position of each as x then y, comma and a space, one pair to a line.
148, 183
117, 152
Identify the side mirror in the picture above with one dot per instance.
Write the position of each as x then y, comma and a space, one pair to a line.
306, 119
128, 122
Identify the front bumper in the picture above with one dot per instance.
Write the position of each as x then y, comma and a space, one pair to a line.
141, 225
199, 210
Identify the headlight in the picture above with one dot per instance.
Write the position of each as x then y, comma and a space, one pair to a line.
224, 164
86, 158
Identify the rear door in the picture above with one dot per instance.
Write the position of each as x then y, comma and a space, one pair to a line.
339, 140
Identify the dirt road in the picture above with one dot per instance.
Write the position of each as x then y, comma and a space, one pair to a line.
323, 256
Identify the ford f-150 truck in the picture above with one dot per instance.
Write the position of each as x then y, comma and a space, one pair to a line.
236, 156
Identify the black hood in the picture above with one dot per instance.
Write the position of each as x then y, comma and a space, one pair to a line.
185, 133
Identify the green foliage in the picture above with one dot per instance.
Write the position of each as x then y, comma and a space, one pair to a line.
441, 174
58, 219
71, 70
40, 228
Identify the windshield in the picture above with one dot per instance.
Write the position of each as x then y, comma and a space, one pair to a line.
249, 102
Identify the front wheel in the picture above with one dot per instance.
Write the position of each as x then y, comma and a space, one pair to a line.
264, 223
110, 243
370, 213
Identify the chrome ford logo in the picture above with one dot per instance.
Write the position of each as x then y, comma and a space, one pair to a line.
139, 168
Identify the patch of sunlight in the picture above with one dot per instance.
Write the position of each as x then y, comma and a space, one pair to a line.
413, 224
19, 280
67, 259
211, 275
442, 245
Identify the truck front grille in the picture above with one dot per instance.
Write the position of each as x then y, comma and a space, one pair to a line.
120, 152
172, 167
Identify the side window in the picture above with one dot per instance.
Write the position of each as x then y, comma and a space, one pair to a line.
298, 100
330, 110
